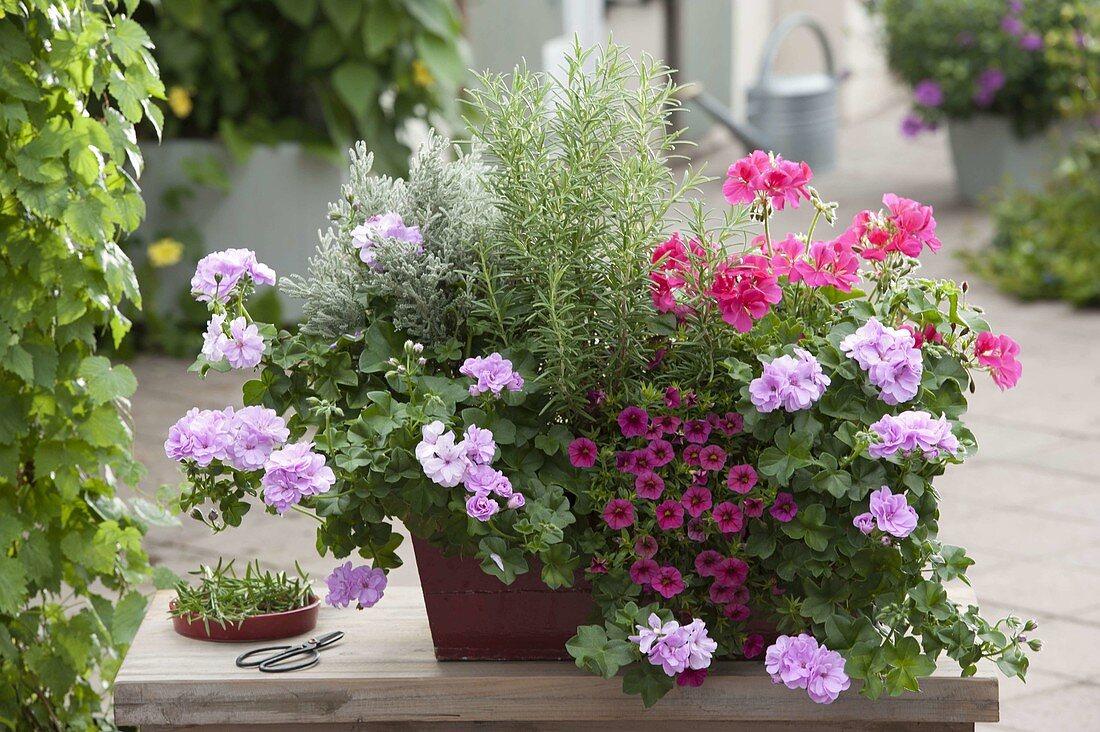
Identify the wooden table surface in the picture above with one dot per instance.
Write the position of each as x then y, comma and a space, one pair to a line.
383, 675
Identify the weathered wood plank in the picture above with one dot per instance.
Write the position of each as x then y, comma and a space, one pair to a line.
384, 673
628, 726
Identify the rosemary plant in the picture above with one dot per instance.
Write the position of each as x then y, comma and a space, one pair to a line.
221, 596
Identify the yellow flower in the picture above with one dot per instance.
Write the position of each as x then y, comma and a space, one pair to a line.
164, 252
421, 75
179, 100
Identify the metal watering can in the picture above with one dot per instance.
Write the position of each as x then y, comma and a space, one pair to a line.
796, 115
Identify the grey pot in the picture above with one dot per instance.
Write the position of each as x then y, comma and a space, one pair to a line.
987, 153
276, 202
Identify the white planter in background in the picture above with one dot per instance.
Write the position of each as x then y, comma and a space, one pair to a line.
987, 153
276, 202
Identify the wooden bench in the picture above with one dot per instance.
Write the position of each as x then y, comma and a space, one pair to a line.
383, 676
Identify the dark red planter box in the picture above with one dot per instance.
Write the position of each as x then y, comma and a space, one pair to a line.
476, 617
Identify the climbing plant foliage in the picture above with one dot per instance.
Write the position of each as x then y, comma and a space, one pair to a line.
76, 76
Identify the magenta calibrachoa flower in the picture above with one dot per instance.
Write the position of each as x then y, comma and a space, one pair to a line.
583, 452
890, 358
293, 473
492, 373
788, 382
619, 513
799, 662
892, 513
362, 585
912, 432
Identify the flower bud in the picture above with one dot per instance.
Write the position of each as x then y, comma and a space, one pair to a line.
516, 501
196, 514
212, 516
418, 348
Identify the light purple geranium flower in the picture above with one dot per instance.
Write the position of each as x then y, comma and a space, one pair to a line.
890, 358
368, 236
516, 501
910, 432
444, 460
362, 585
481, 507
214, 339
673, 647
928, 93
990, 82
892, 513
218, 273
799, 662
293, 473
865, 522
493, 373
256, 432
483, 480
480, 447
790, 383
202, 435
244, 347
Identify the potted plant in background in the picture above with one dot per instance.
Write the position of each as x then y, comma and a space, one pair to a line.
256, 606
724, 440
1015, 81
262, 100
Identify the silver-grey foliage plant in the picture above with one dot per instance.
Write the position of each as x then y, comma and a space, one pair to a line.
446, 197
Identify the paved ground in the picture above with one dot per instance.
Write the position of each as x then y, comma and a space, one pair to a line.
1025, 506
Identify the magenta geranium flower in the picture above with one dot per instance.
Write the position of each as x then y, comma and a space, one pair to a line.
784, 509
744, 291
649, 485
670, 515
583, 452
998, 353
618, 513
633, 421
741, 478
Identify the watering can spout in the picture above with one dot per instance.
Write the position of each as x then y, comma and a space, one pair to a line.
745, 133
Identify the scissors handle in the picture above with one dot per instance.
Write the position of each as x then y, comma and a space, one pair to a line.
282, 658
246, 660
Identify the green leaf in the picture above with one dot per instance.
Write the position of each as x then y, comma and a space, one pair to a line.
500, 560
301, 12
13, 585
559, 565
105, 382
128, 616
442, 59
356, 84
437, 16
649, 682
597, 653
907, 665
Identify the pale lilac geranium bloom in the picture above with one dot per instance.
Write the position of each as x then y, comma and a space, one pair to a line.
218, 273
214, 339
799, 662
362, 585
444, 461
673, 647
256, 432
481, 507
928, 93
368, 236
790, 383
892, 513
516, 501
911, 432
293, 473
480, 446
245, 346
202, 435
828, 678
865, 522
990, 82
493, 373
483, 480
890, 358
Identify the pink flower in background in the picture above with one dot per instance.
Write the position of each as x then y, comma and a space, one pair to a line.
649, 485
892, 513
865, 522
618, 513
696, 501
744, 290
493, 373
481, 507
737, 612
245, 346
741, 478
728, 517
927, 334
784, 254
667, 582
784, 509
832, 263
998, 353
691, 677
643, 571
890, 358
790, 383
362, 585
645, 547
912, 431
928, 93
743, 178
712, 458
912, 125
1012, 25
200, 435
583, 452
670, 515
990, 82
633, 422
218, 274
753, 645
255, 432
1031, 42
480, 446
293, 473
706, 562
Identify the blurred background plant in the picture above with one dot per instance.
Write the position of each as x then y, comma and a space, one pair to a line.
1046, 244
1032, 62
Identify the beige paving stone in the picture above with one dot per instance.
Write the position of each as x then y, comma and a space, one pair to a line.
1073, 708
1041, 586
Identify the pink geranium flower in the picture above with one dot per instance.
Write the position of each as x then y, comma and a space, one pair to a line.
998, 353
743, 178
744, 290
831, 263
618, 513
583, 452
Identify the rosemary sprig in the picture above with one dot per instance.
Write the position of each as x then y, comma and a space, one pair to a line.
221, 596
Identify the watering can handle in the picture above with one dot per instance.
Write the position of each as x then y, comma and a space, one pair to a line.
779, 34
